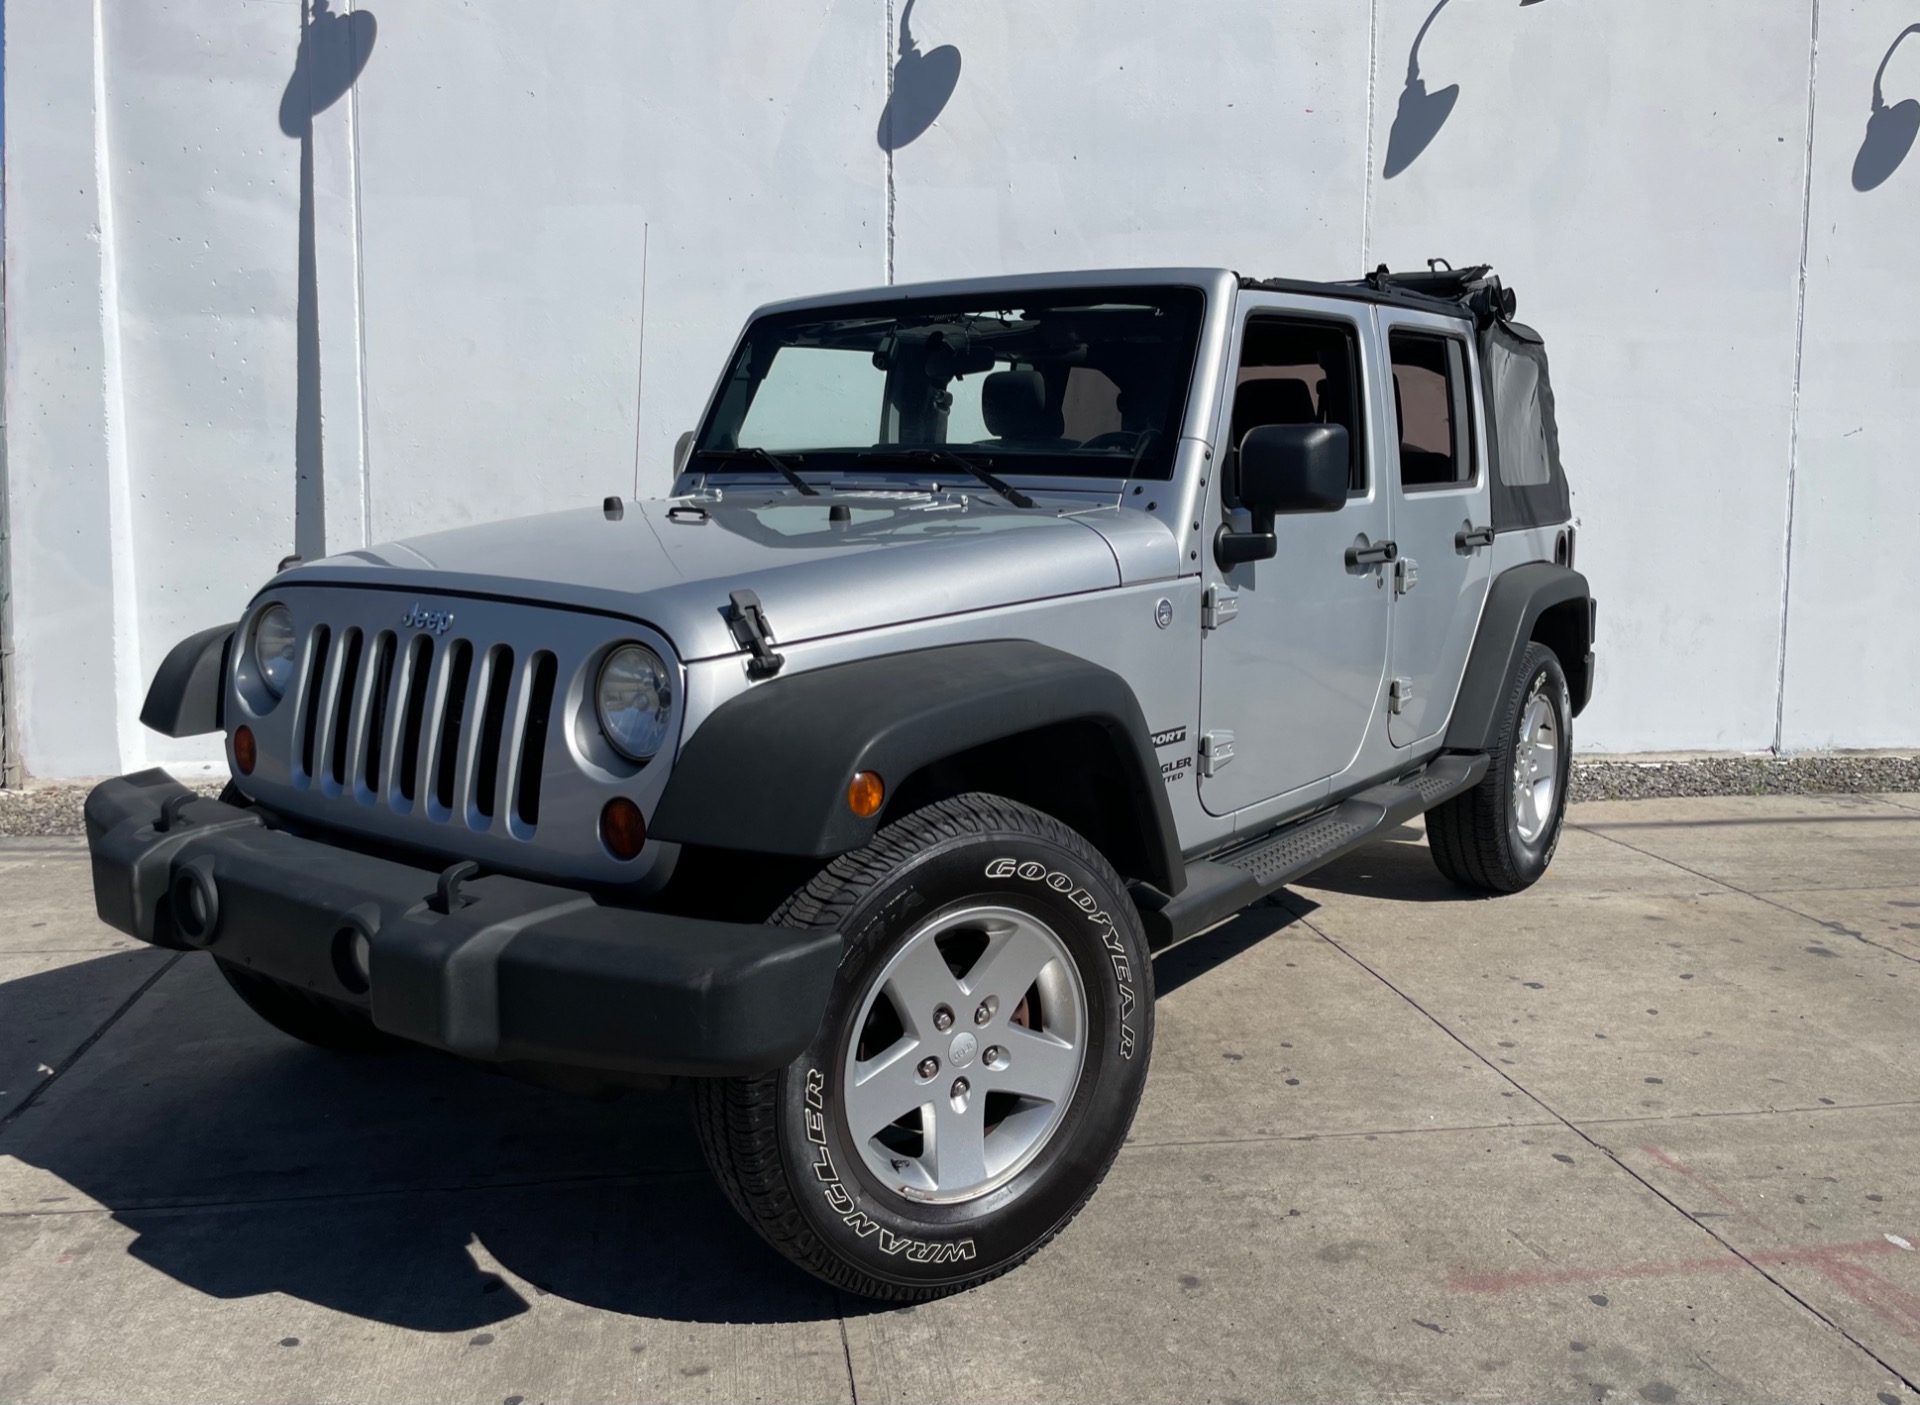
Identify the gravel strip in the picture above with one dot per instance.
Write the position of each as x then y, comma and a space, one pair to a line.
56, 809
1596, 779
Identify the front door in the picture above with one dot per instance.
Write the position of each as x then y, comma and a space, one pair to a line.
1440, 519
1296, 646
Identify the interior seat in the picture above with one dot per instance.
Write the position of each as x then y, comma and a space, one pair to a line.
1271, 401
1014, 406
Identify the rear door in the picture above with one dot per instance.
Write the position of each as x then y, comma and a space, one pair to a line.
1296, 646
1440, 514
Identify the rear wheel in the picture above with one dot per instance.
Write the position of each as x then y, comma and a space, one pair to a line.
978, 1067
313, 1019
1500, 836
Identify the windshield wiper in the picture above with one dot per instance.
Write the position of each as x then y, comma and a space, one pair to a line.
759, 455
947, 459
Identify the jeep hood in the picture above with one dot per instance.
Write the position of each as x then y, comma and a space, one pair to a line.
898, 557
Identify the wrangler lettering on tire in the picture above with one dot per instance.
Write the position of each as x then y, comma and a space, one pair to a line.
979, 1065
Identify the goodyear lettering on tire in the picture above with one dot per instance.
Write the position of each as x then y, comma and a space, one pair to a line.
1102, 921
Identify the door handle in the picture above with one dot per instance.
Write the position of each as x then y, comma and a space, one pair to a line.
1469, 538
1379, 554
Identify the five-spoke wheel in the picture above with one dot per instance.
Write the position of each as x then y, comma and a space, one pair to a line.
966, 1053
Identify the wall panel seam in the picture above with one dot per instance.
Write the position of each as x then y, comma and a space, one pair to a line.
360, 304
1799, 363
1373, 90
125, 596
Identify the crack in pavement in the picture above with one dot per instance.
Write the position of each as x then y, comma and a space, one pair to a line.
355, 1197
1608, 1153
80, 1050
1831, 928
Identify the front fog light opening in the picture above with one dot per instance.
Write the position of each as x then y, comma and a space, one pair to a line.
195, 902
353, 959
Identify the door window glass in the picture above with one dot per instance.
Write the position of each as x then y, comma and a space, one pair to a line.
1431, 408
1301, 372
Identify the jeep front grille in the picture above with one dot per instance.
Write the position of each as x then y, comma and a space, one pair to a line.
456, 738
444, 728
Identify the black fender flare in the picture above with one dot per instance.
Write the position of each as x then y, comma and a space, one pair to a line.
1515, 602
767, 772
185, 697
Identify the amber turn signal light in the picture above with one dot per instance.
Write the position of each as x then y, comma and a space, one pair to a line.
244, 753
623, 829
865, 792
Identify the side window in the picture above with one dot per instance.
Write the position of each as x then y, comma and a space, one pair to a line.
1301, 372
1431, 407
1518, 420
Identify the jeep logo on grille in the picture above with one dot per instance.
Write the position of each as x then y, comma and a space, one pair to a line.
433, 621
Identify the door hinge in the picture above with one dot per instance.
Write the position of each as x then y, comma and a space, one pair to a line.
1399, 694
1406, 575
1217, 607
748, 622
1216, 750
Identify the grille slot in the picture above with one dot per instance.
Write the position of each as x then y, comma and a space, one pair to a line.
343, 708
379, 705
447, 748
318, 657
493, 723
533, 738
419, 671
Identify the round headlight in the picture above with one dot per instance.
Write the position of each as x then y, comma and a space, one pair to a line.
273, 648
635, 698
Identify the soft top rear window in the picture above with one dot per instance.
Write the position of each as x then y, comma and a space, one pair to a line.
1075, 382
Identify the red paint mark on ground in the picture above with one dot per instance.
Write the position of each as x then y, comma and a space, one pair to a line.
1839, 1264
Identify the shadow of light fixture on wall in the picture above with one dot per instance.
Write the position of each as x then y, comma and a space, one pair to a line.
1890, 130
1422, 114
333, 51
922, 86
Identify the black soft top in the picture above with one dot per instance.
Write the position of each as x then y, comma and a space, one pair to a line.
1529, 485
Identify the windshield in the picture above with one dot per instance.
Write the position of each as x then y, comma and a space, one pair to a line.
1086, 382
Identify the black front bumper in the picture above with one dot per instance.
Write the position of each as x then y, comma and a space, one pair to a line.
506, 970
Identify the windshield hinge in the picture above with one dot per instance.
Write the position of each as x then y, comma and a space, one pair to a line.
748, 621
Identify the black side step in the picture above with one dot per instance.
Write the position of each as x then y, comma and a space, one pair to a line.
1219, 887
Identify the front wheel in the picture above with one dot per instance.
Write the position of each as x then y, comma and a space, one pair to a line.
1500, 836
982, 1054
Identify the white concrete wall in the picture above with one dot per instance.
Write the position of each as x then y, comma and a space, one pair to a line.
512, 202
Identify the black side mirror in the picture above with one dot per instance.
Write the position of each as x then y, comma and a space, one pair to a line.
1284, 468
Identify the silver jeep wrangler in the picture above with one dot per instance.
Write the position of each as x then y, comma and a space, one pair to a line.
996, 636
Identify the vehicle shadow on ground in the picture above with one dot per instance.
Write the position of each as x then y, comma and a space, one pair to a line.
407, 1189
1180, 965
1397, 866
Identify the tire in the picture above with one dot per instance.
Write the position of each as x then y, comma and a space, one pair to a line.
313, 1019
1500, 836
918, 1216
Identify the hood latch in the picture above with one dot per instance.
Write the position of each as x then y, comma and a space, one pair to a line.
748, 621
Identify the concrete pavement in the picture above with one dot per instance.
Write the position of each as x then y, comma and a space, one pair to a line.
1647, 1132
